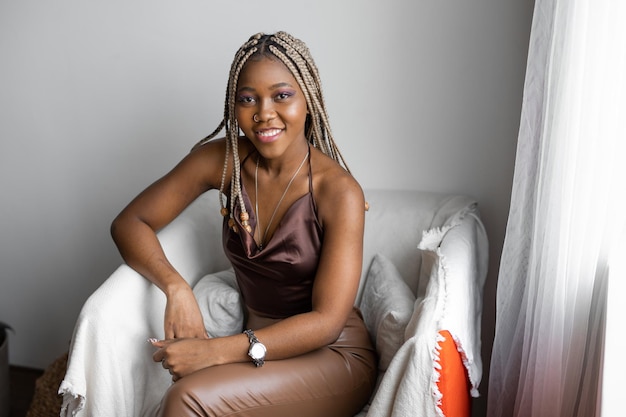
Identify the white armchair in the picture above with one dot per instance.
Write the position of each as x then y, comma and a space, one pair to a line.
425, 292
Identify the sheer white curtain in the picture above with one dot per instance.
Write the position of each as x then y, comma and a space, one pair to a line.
567, 214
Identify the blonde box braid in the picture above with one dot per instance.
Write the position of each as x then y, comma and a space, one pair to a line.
295, 55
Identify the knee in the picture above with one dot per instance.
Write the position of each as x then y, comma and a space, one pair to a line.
194, 396
180, 400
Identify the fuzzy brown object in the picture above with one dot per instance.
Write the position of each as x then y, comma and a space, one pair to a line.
46, 400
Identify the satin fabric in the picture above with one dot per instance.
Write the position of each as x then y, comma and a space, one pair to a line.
334, 381
276, 282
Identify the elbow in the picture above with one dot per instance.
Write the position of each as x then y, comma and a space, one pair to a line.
334, 336
116, 228
334, 330
330, 323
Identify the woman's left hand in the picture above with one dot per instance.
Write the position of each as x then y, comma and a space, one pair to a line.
182, 357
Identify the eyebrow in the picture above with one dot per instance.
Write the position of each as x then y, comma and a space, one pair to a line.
272, 87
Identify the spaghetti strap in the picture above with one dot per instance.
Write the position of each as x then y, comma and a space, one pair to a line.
311, 184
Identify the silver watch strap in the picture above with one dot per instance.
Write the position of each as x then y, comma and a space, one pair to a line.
251, 336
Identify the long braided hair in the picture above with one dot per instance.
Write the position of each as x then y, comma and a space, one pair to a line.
296, 56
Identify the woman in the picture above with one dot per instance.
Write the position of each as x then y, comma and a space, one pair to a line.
293, 231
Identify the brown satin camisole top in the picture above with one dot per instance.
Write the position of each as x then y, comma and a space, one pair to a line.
277, 281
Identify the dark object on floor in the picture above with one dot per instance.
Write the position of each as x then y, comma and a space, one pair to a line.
4, 369
22, 383
46, 402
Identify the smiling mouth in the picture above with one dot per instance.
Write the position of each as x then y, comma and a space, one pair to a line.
268, 133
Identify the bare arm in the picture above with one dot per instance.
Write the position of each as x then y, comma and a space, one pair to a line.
134, 232
341, 210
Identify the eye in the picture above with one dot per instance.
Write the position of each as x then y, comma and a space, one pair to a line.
284, 95
245, 99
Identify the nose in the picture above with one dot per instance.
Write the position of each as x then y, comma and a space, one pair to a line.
266, 110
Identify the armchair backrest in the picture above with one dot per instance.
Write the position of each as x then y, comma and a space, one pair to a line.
393, 227
396, 221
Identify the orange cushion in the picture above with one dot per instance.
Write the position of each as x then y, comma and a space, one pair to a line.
453, 381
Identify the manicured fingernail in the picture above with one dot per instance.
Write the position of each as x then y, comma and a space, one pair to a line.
152, 340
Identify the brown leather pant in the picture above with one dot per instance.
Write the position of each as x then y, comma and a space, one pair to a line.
335, 381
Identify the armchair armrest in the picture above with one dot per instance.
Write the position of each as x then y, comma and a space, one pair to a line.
193, 241
110, 336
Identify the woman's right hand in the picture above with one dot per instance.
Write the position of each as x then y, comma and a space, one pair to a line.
183, 318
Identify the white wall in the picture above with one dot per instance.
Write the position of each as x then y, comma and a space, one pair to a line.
98, 99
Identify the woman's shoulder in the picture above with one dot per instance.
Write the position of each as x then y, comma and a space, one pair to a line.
332, 184
207, 159
216, 148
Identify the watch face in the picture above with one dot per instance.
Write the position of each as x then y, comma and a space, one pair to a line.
257, 351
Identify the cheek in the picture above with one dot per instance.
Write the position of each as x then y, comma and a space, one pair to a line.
242, 116
298, 112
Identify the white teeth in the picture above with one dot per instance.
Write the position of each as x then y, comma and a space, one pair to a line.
269, 132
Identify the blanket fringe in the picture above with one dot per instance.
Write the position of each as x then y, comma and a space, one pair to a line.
437, 395
72, 402
467, 363
431, 238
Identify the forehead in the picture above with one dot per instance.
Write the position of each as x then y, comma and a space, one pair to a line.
265, 72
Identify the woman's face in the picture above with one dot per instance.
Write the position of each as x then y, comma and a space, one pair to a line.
270, 106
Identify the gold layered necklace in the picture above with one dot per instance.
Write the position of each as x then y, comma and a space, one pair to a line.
261, 240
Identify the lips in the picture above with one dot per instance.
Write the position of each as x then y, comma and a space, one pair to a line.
268, 135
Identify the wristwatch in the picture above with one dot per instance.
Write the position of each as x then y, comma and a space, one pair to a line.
257, 349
